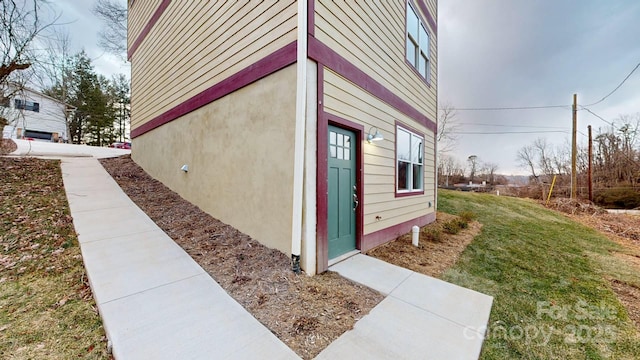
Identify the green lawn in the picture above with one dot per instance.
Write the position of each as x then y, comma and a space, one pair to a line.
549, 279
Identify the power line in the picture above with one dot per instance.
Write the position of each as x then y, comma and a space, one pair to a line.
507, 132
598, 116
512, 108
617, 87
515, 126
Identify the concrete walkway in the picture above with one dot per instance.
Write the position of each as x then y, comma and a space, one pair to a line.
420, 318
155, 301
158, 303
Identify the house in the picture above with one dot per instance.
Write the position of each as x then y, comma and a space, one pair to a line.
308, 125
31, 114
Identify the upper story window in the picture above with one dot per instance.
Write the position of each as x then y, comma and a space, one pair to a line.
409, 161
417, 43
27, 105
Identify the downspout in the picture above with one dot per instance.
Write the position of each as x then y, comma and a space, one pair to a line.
299, 137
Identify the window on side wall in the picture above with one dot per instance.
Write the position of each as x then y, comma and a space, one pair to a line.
417, 46
409, 161
27, 105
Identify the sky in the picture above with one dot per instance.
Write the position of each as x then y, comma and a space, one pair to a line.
499, 53
516, 53
83, 28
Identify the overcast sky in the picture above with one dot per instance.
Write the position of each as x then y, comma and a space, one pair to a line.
500, 53
83, 27
512, 53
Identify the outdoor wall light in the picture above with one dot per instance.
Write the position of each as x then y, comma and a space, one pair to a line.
375, 137
185, 168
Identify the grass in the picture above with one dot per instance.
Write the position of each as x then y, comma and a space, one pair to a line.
549, 277
46, 306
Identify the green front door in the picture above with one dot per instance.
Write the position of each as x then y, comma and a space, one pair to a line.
342, 201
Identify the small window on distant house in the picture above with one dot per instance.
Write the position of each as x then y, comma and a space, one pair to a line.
4, 101
417, 43
27, 105
409, 161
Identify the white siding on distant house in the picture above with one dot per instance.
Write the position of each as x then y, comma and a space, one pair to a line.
50, 118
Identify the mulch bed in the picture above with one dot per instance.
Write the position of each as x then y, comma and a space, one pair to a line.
306, 313
429, 257
7, 146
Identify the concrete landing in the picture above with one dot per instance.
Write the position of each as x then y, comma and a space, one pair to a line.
420, 318
155, 301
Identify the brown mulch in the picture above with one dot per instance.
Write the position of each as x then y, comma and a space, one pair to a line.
7, 146
574, 206
429, 257
306, 313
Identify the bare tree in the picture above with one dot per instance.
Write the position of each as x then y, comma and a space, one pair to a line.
447, 127
490, 172
450, 170
21, 23
473, 163
113, 36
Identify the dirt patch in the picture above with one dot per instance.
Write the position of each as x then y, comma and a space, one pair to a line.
630, 297
306, 313
7, 146
431, 257
574, 206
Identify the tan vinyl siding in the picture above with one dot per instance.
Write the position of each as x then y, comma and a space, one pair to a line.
139, 14
371, 35
200, 43
346, 100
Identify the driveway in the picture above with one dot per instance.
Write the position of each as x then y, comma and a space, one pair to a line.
49, 149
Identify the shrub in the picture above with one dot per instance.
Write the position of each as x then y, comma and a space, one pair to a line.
620, 198
452, 226
430, 234
467, 216
462, 223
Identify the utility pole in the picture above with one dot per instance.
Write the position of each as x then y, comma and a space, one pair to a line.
574, 148
589, 170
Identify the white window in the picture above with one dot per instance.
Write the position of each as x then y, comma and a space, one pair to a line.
417, 43
409, 161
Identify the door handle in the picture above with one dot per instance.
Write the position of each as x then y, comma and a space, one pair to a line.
355, 198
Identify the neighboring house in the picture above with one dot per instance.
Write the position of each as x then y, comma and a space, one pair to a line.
31, 114
271, 104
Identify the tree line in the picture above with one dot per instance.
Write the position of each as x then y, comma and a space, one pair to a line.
615, 164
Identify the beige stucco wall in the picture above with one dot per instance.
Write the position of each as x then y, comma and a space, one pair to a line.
240, 155
348, 101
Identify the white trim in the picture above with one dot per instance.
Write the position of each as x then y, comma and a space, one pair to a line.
308, 259
410, 161
299, 134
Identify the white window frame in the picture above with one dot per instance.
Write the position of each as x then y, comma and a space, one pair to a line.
416, 158
420, 46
